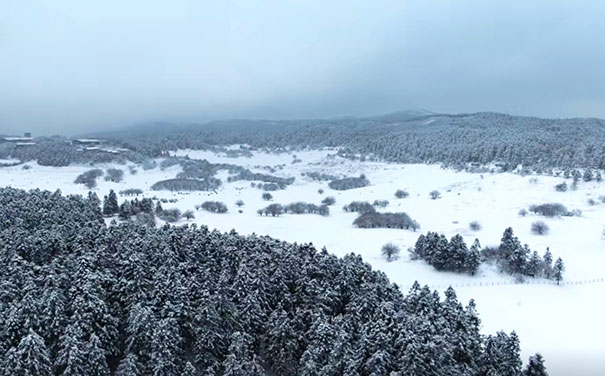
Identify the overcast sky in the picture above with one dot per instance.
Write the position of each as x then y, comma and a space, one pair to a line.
69, 66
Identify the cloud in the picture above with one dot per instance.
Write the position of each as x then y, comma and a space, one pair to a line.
70, 66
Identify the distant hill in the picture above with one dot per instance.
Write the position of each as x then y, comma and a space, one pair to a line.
415, 136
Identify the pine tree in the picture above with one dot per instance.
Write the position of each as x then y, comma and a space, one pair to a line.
508, 244
128, 366
241, 360
10, 363
547, 264
110, 204
534, 264
535, 367
33, 357
189, 370
473, 258
458, 253
125, 211
96, 362
165, 348
72, 352
518, 259
558, 269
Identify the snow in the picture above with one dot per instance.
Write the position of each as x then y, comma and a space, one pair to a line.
561, 322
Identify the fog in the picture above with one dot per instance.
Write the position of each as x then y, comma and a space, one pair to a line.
72, 66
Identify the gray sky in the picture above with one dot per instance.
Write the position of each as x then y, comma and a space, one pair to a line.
73, 66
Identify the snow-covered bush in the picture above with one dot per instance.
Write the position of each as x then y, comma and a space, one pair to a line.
390, 251
187, 185
146, 219
273, 210
328, 201
361, 207
89, 178
522, 212
131, 192
214, 206
539, 228
386, 220
400, 193
114, 175
267, 196
149, 164
380, 203
549, 209
475, 226
169, 215
435, 194
306, 208
562, 187
349, 183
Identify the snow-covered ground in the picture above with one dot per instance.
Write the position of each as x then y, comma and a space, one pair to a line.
564, 323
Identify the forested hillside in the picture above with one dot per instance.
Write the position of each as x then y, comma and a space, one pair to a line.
454, 140
81, 298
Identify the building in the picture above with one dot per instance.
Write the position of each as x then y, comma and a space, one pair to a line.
87, 141
27, 137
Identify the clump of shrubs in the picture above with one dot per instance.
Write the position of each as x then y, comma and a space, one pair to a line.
274, 210
188, 214
539, 228
380, 203
114, 175
169, 215
239, 203
349, 183
400, 193
562, 187
89, 178
549, 209
522, 212
214, 207
269, 187
319, 176
187, 185
435, 194
146, 219
361, 207
390, 251
386, 220
267, 196
328, 201
149, 164
131, 192
475, 226
305, 208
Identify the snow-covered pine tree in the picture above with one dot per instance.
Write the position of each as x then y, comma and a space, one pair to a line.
557, 270
110, 204
473, 258
33, 357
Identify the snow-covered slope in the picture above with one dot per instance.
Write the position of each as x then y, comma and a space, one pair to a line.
561, 322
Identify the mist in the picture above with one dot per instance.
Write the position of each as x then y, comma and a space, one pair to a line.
69, 67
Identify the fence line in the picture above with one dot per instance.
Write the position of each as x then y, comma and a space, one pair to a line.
508, 283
